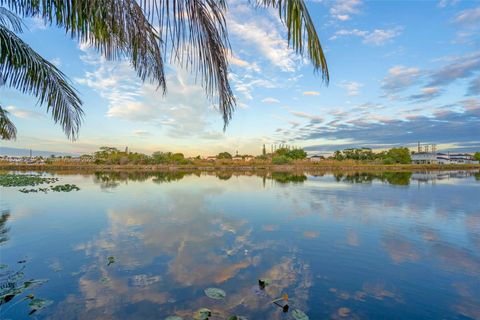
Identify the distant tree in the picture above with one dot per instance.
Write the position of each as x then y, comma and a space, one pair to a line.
264, 151
476, 156
398, 155
224, 155
296, 154
281, 160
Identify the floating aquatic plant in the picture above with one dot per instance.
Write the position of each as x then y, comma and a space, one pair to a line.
173, 318
110, 260
38, 304
299, 315
262, 283
65, 188
215, 293
24, 180
203, 314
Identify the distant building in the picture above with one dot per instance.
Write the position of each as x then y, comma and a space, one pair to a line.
442, 158
237, 158
315, 158
211, 158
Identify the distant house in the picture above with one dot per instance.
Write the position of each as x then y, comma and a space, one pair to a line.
315, 158
248, 158
442, 158
237, 158
211, 158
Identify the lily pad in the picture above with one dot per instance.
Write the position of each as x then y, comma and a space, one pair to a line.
299, 315
110, 260
263, 282
203, 314
215, 293
34, 283
237, 318
38, 304
173, 318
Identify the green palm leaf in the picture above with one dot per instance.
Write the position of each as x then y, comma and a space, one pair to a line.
301, 31
7, 128
24, 69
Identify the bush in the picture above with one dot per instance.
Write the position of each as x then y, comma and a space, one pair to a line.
281, 160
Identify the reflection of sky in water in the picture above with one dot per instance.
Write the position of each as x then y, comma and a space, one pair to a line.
344, 246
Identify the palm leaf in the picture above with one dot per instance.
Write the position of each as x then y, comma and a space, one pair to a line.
10, 19
301, 31
116, 28
25, 70
7, 128
194, 32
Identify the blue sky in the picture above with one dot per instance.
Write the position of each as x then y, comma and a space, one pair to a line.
401, 72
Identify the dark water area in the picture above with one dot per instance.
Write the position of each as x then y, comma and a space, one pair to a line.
147, 245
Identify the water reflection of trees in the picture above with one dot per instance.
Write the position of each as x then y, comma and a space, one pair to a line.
109, 180
5, 215
395, 178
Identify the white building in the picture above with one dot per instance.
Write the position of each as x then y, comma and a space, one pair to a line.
442, 158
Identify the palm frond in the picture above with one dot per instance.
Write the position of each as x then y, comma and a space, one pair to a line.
301, 31
25, 70
195, 33
7, 128
9, 19
116, 28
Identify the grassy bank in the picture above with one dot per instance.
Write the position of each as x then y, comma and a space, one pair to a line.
297, 166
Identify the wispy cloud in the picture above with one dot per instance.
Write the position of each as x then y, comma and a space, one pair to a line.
344, 9
183, 112
399, 78
458, 68
270, 100
426, 94
377, 37
264, 35
24, 113
469, 17
474, 87
311, 93
352, 87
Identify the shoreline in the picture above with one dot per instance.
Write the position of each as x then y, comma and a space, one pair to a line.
239, 168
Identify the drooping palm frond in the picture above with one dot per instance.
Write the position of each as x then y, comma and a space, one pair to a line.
195, 32
25, 70
9, 19
7, 128
116, 28
301, 31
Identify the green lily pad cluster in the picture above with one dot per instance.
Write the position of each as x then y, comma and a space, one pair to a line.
24, 180
59, 188
65, 188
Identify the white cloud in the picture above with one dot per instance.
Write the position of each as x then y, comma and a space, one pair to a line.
377, 37
183, 111
344, 9
311, 93
400, 78
313, 118
141, 133
270, 100
264, 35
352, 87
470, 17
24, 113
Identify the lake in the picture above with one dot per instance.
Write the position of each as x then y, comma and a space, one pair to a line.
147, 246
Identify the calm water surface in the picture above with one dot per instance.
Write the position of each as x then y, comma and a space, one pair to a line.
351, 246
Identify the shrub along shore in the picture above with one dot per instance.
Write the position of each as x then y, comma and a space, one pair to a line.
326, 165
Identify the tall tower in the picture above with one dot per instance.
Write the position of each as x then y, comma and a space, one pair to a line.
264, 151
